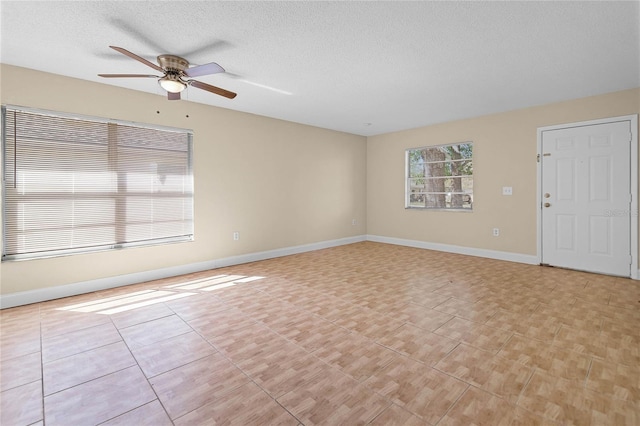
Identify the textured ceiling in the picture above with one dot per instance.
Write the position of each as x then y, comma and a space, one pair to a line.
359, 67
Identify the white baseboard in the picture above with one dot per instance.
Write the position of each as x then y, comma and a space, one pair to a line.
57, 292
50, 293
491, 254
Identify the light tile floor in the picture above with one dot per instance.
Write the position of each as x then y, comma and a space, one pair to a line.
367, 333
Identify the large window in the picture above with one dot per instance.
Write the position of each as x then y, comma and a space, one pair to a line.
77, 184
440, 177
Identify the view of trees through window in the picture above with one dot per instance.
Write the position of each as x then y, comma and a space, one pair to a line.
440, 177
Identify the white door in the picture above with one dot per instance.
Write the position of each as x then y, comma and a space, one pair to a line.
586, 198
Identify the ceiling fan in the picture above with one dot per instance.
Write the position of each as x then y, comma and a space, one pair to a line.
176, 73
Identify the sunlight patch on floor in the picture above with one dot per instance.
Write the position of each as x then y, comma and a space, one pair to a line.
138, 299
215, 283
125, 302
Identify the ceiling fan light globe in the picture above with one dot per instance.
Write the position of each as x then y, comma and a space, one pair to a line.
173, 86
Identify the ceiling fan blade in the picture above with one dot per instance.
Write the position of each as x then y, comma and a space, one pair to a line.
204, 69
137, 58
212, 89
173, 96
127, 75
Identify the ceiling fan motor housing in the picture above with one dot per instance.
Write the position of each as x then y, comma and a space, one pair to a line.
174, 67
173, 63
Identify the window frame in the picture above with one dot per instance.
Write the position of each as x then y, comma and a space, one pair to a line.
187, 176
408, 178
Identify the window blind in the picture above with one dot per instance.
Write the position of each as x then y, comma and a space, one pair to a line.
78, 184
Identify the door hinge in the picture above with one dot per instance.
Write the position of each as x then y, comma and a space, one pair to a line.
538, 158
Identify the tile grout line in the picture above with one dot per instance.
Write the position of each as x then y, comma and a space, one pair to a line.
533, 372
144, 375
41, 363
586, 379
251, 380
337, 370
454, 404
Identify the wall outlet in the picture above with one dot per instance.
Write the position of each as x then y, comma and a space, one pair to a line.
236, 236
496, 232
354, 222
507, 190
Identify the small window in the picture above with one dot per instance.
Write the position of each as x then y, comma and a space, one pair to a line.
79, 184
440, 177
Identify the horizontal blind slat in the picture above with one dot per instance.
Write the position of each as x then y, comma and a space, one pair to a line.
74, 185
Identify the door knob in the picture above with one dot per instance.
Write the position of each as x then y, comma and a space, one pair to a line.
547, 204
547, 195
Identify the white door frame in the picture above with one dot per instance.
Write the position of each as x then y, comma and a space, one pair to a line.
635, 274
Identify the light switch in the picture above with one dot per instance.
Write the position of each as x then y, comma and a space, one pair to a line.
507, 190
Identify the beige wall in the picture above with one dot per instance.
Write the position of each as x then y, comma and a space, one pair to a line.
282, 184
505, 149
278, 183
